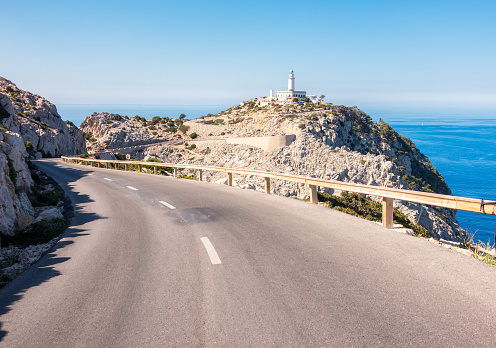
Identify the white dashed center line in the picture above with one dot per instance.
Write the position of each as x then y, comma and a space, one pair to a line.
107, 179
214, 258
132, 188
170, 206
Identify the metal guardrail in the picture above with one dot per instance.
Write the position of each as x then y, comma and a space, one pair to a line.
387, 194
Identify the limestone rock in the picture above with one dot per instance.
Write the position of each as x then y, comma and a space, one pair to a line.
38, 122
48, 214
29, 127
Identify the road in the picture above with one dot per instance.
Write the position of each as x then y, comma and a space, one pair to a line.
133, 270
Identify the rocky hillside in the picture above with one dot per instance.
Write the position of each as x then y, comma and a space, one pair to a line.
30, 127
332, 142
106, 130
37, 121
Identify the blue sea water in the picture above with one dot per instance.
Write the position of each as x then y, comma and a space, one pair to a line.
460, 142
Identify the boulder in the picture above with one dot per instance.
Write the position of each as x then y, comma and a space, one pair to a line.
48, 214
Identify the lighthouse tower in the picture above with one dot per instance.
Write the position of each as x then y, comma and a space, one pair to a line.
291, 93
291, 86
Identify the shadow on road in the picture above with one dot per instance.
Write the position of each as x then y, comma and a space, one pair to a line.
43, 270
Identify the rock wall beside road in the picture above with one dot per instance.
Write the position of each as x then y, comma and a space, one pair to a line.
30, 127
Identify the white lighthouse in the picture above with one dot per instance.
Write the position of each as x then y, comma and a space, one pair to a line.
291, 93
290, 96
291, 83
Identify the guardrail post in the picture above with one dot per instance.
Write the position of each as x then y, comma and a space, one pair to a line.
139, 167
387, 212
106, 165
267, 185
201, 175
313, 194
175, 172
155, 170
229, 179
126, 167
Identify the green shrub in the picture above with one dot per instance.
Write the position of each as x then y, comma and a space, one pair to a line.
6, 278
193, 135
187, 177
84, 155
184, 128
46, 198
154, 120
12, 171
302, 126
41, 232
110, 121
29, 146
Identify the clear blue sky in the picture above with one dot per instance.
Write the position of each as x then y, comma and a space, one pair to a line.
376, 53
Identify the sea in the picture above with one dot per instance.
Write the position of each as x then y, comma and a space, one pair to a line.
460, 142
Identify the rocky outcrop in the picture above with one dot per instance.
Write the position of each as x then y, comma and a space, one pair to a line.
16, 211
30, 127
106, 130
38, 122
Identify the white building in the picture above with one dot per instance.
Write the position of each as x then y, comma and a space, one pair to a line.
286, 97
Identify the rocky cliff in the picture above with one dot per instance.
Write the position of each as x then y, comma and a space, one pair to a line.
332, 142
30, 127
37, 121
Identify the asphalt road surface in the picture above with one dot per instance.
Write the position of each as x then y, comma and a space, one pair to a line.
153, 261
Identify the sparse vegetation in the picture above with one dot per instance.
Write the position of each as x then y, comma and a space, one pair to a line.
41, 232
357, 205
12, 171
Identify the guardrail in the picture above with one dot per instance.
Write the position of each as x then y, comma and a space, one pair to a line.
388, 194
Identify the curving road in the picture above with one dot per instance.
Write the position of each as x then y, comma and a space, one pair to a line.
152, 261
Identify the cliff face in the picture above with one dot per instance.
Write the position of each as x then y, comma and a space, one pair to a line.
29, 127
15, 182
332, 142
37, 121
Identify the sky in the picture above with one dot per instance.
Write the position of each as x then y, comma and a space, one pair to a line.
364, 53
